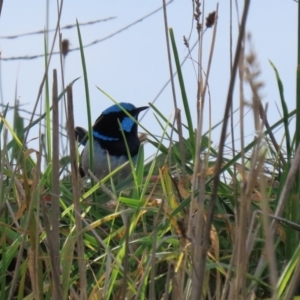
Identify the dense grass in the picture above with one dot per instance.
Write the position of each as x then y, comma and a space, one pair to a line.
193, 223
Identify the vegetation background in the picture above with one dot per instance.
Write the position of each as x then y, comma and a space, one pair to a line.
212, 214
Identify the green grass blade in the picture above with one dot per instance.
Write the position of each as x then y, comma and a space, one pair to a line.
285, 112
288, 271
186, 104
87, 98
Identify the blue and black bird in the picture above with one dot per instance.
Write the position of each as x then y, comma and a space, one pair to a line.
109, 141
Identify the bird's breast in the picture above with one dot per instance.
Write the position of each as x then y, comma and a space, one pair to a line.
103, 162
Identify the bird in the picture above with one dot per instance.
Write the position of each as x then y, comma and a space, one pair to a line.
109, 143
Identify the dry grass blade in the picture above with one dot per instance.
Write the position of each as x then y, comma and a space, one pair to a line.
1, 4
53, 238
76, 196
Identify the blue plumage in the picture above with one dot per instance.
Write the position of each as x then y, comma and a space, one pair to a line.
109, 141
127, 124
116, 108
100, 136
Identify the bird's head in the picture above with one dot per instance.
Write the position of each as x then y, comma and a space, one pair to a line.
114, 119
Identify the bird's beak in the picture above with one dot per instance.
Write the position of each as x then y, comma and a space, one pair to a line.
139, 109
